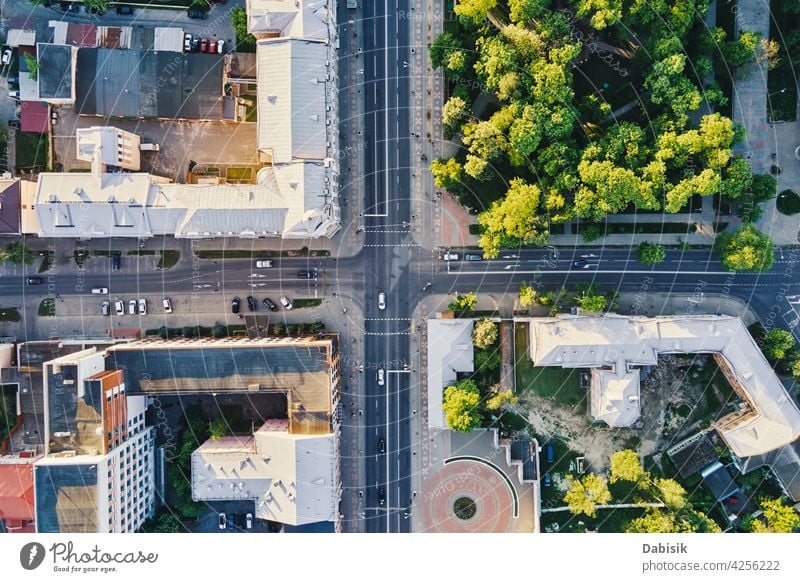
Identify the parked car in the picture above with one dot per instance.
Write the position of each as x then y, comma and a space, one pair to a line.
14, 95
99, 290
187, 42
13, 81
204, 45
167, 305
123, 10
13, 123
381, 377
248, 521
382, 446
199, 14
119, 307
212, 46
307, 274
251, 303
286, 303
105, 308
7, 53
195, 44
263, 264
142, 306
548, 480
223, 521
116, 262
473, 257
381, 300
270, 304
220, 44
132, 307
34, 280
451, 256
549, 452
235, 304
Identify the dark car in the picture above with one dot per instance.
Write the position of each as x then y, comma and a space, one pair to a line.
74, 7
580, 264
548, 480
34, 280
195, 44
13, 81
382, 496
235, 305
199, 14
307, 274
124, 10
251, 303
270, 304
549, 452
473, 257
232, 520
116, 262
382, 446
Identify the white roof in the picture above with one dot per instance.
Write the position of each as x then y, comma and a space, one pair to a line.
288, 200
586, 342
168, 39
18, 37
292, 99
450, 350
289, 18
111, 141
614, 397
291, 478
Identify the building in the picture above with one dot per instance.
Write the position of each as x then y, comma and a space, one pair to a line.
450, 352
17, 507
53, 80
619, 347
10, 217
289, 467
108, 146
98, 470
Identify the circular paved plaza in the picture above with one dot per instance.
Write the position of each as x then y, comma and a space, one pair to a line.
466, 496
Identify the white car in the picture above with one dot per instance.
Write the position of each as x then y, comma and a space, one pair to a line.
450, 257
100, 290
142, 306
381, 301
7, 52
263, 264
132, 307
248, 521
381, 377
187, 42
286, 303
119, 307
220, 44
167, 305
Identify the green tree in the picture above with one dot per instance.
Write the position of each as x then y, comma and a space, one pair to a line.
670, 492
602, 13
465, 302
780, 518
778, 344
741, 51
474, 10
244, 40
796, 369
513, 220
523, 11
167, 523
441, 49
592, 302
651, 253
484, 333
447, 174
17, 252
486, 360
684, 521
527, 295
625, 466
498, 399
33, 66
455, 112
763, 187
461, 406
584, 495
217, 428
746, 249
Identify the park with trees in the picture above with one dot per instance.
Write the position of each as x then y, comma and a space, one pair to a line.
577, 109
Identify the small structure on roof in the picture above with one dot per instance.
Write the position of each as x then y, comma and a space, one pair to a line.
34, 117
19, 37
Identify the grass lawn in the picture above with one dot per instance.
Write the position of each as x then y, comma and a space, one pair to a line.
168, 260
251, 108
10, 314
239, 174
32, 151
47, 308
562, 385
300, 303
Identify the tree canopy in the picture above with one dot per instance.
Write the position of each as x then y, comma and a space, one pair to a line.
586, 493
651, 253
484, 333
461, 406
746, 249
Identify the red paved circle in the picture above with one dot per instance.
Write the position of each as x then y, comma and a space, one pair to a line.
479, 482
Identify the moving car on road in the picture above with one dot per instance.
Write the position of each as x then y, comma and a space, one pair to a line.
167, 305
581, 264
382, 446
473, 257
381, 300
263, 264
34, 280
270, 304
307, 274
382, 496
286, 303
381, 377
235, 305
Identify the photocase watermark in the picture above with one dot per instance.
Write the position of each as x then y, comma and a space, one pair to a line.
66, 557
31, 555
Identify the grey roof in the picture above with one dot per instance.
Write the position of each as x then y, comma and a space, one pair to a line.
785, 464
692, 454
292, 99
66, 497
144, 83
55, 70
719, 481
9, 207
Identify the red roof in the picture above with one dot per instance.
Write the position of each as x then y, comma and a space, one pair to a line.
81, 35
16, 492
34, 117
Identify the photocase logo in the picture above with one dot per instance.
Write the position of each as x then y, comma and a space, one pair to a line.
31, 555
